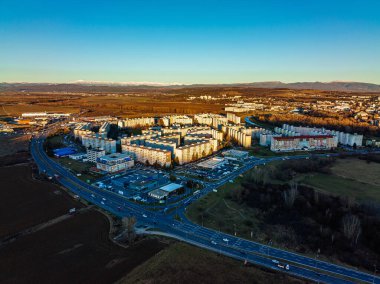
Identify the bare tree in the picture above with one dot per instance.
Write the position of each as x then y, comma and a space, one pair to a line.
290, 195
129, 225
351, 228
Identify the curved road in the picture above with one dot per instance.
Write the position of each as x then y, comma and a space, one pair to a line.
186, 231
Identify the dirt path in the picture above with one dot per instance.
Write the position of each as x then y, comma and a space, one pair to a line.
9, 239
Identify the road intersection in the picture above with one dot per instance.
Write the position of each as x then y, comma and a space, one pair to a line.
232, 246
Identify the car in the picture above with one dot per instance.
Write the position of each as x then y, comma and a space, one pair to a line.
144, 216
102, 202
275, 261
213, 242
225, 239
104, 199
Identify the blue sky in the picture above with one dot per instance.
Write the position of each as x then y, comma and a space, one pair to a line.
189, 41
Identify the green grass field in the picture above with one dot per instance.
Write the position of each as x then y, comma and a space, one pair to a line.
78, 167
349, 177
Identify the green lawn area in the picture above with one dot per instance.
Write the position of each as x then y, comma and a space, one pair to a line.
79, 167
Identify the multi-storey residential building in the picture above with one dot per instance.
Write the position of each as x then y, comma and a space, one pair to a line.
162, 144
81, 130
93, 154
206, 132
114, 163
138, 139
104, 128
193, 152
296, 143
93, 141
136, 122
147, 154
176, 138
239, 135
233, 118
341, 137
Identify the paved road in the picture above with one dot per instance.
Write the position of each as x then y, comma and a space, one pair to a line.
207, 238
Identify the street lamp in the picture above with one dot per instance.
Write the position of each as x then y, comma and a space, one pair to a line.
374, 274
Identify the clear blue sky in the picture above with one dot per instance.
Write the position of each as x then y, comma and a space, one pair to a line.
190, 41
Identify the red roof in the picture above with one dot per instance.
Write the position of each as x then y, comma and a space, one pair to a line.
303, 137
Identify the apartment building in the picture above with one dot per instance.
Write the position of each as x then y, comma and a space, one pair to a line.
305, 142
93, 154
341, 137
138, 139
195, 151
239, 135
206, 132
94, 142
162, 144
114, 162
136, 122
104, 129
81, 130
144, 154
233, 118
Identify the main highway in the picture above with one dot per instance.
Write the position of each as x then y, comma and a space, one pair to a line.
225, 244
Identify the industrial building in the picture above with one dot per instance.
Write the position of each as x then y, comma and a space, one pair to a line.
235, 155
212, 163
165, 191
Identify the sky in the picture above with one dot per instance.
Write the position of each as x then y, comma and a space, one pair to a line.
189, 42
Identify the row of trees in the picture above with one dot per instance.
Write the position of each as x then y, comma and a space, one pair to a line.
338, 225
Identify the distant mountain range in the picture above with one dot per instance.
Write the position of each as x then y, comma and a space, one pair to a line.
100, 86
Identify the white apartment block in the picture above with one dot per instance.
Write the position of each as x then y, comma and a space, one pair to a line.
94, 142
176, 138
114, 163
306, 143
238, 134
81, 130
143, 154
104, 128
93, 154
138, 139
193, 152
341, 137
181, 119
206, 132
161, 144
136, 122
233, 118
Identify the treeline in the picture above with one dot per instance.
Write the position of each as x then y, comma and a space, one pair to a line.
310, 220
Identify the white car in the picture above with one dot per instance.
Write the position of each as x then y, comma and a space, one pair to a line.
225, 239
102, 202
213, 242
144, 216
